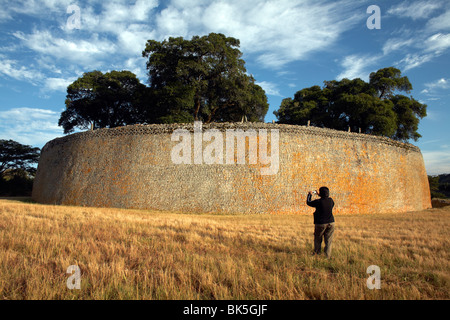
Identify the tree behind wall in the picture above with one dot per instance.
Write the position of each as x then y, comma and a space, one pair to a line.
374, 107
202, 79
98, 100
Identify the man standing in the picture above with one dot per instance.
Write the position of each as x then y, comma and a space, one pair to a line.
323, 220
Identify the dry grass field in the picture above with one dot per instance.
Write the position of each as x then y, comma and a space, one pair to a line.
138, 254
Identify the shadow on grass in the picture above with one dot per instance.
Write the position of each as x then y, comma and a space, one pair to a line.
19, 199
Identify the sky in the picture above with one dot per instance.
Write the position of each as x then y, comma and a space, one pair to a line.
287, 45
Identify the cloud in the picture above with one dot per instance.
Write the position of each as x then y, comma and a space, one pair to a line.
270, 88
438, 84
414, 60
437, 161
396, 44
85, 52
12, 69
427, 47
113, 34
4, 16
57, 84
132, 40
415, 10
358, 66
41, 8
437, 43
440, 23
29, 126
277, 32
112, 17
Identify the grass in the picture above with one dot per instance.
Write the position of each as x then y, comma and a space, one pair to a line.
138, 254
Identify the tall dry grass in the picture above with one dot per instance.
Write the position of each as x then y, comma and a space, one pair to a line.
133, 254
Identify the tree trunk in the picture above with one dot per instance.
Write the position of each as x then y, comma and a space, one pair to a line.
197, 108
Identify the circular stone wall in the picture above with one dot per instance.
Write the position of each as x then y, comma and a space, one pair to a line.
141, 167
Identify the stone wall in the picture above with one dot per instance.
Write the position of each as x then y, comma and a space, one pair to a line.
131, 167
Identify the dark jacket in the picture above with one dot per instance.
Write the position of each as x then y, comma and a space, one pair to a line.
324, 209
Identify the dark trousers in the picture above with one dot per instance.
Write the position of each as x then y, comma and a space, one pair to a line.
324, 231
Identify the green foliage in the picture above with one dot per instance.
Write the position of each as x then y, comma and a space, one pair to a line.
439, 186
408, 111
15, 156
386, 81
107, 100
17, 168
372, 107
16, 183
199, 79
202, 79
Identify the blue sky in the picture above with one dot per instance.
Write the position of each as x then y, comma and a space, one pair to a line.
288, 45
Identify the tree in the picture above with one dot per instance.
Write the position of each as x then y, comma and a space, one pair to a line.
408, 111
434, 187
17, 168
386, 81
15, 156
107, 100
202, 79
373, 108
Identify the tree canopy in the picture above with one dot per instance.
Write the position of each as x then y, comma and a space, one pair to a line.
17, 168
100, 100
199, 79
202, 79
374, 107
15, 157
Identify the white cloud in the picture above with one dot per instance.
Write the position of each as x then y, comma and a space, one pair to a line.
415, 10
171, 22
440, 23
84, 52
136, 66
437, 161
29, 125
414, 60
4, 16
358, 66
270, 88
57, 84
115, 16
396, 44
13, 69
437, 43
420, 48
36, 7
278, 32
440, 84
426, 47
132, 40
114, 33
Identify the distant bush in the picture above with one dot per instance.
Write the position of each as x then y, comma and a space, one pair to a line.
17, 183
438, 188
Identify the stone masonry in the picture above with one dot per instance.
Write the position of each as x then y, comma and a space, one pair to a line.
131, 167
